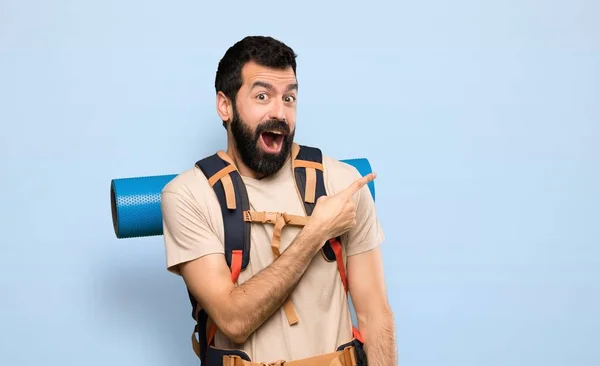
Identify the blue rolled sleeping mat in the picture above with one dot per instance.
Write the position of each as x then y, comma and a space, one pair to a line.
135, 202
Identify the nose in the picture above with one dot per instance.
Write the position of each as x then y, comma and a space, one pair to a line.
277, 110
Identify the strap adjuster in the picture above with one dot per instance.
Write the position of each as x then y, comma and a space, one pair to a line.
265, 217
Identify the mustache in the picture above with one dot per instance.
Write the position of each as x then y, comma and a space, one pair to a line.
273, 125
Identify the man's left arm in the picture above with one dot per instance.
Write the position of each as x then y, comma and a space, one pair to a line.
375, 318
366, 283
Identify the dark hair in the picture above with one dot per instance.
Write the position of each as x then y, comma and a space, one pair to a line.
265, 51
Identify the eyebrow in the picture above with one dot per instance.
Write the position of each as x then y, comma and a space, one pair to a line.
256, 84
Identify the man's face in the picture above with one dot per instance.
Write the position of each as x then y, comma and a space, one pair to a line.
264, 117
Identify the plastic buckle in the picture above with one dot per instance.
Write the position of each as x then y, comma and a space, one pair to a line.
271, 218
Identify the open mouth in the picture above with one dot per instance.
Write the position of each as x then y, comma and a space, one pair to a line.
272, 141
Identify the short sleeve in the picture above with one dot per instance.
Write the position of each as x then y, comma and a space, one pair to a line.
187, 233
367, 234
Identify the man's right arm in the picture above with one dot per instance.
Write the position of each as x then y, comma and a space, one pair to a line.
239, 310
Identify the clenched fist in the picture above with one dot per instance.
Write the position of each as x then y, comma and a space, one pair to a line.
335, 215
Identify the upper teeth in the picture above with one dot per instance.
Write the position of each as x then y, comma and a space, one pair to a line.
277, 132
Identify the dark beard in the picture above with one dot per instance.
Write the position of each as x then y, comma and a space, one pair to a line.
248, 146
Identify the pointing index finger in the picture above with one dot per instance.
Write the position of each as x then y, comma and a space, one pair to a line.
359, 183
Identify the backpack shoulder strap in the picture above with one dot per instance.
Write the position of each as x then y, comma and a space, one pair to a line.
231, 192
308, 170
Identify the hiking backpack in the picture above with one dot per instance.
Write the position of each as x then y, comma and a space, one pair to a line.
222, 175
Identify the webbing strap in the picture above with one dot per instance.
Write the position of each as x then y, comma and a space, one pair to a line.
236, 265
310, 168
288, 307
223, 176
265, 217
311, 185
307, 164
337, 249
279, 219
346, 357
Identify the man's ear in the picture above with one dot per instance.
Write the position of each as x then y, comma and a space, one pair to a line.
224, 107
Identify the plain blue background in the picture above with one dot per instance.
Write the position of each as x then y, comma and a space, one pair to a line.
481, 118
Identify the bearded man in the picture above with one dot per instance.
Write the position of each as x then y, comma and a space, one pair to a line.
272, 237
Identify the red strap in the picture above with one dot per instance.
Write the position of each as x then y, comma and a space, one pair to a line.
236, 269
337, 249
357, 335
236, 264
211, 334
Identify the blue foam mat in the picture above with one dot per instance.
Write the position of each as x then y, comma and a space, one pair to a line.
135, 202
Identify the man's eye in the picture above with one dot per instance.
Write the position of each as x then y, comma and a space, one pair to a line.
290, 98
262, 96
